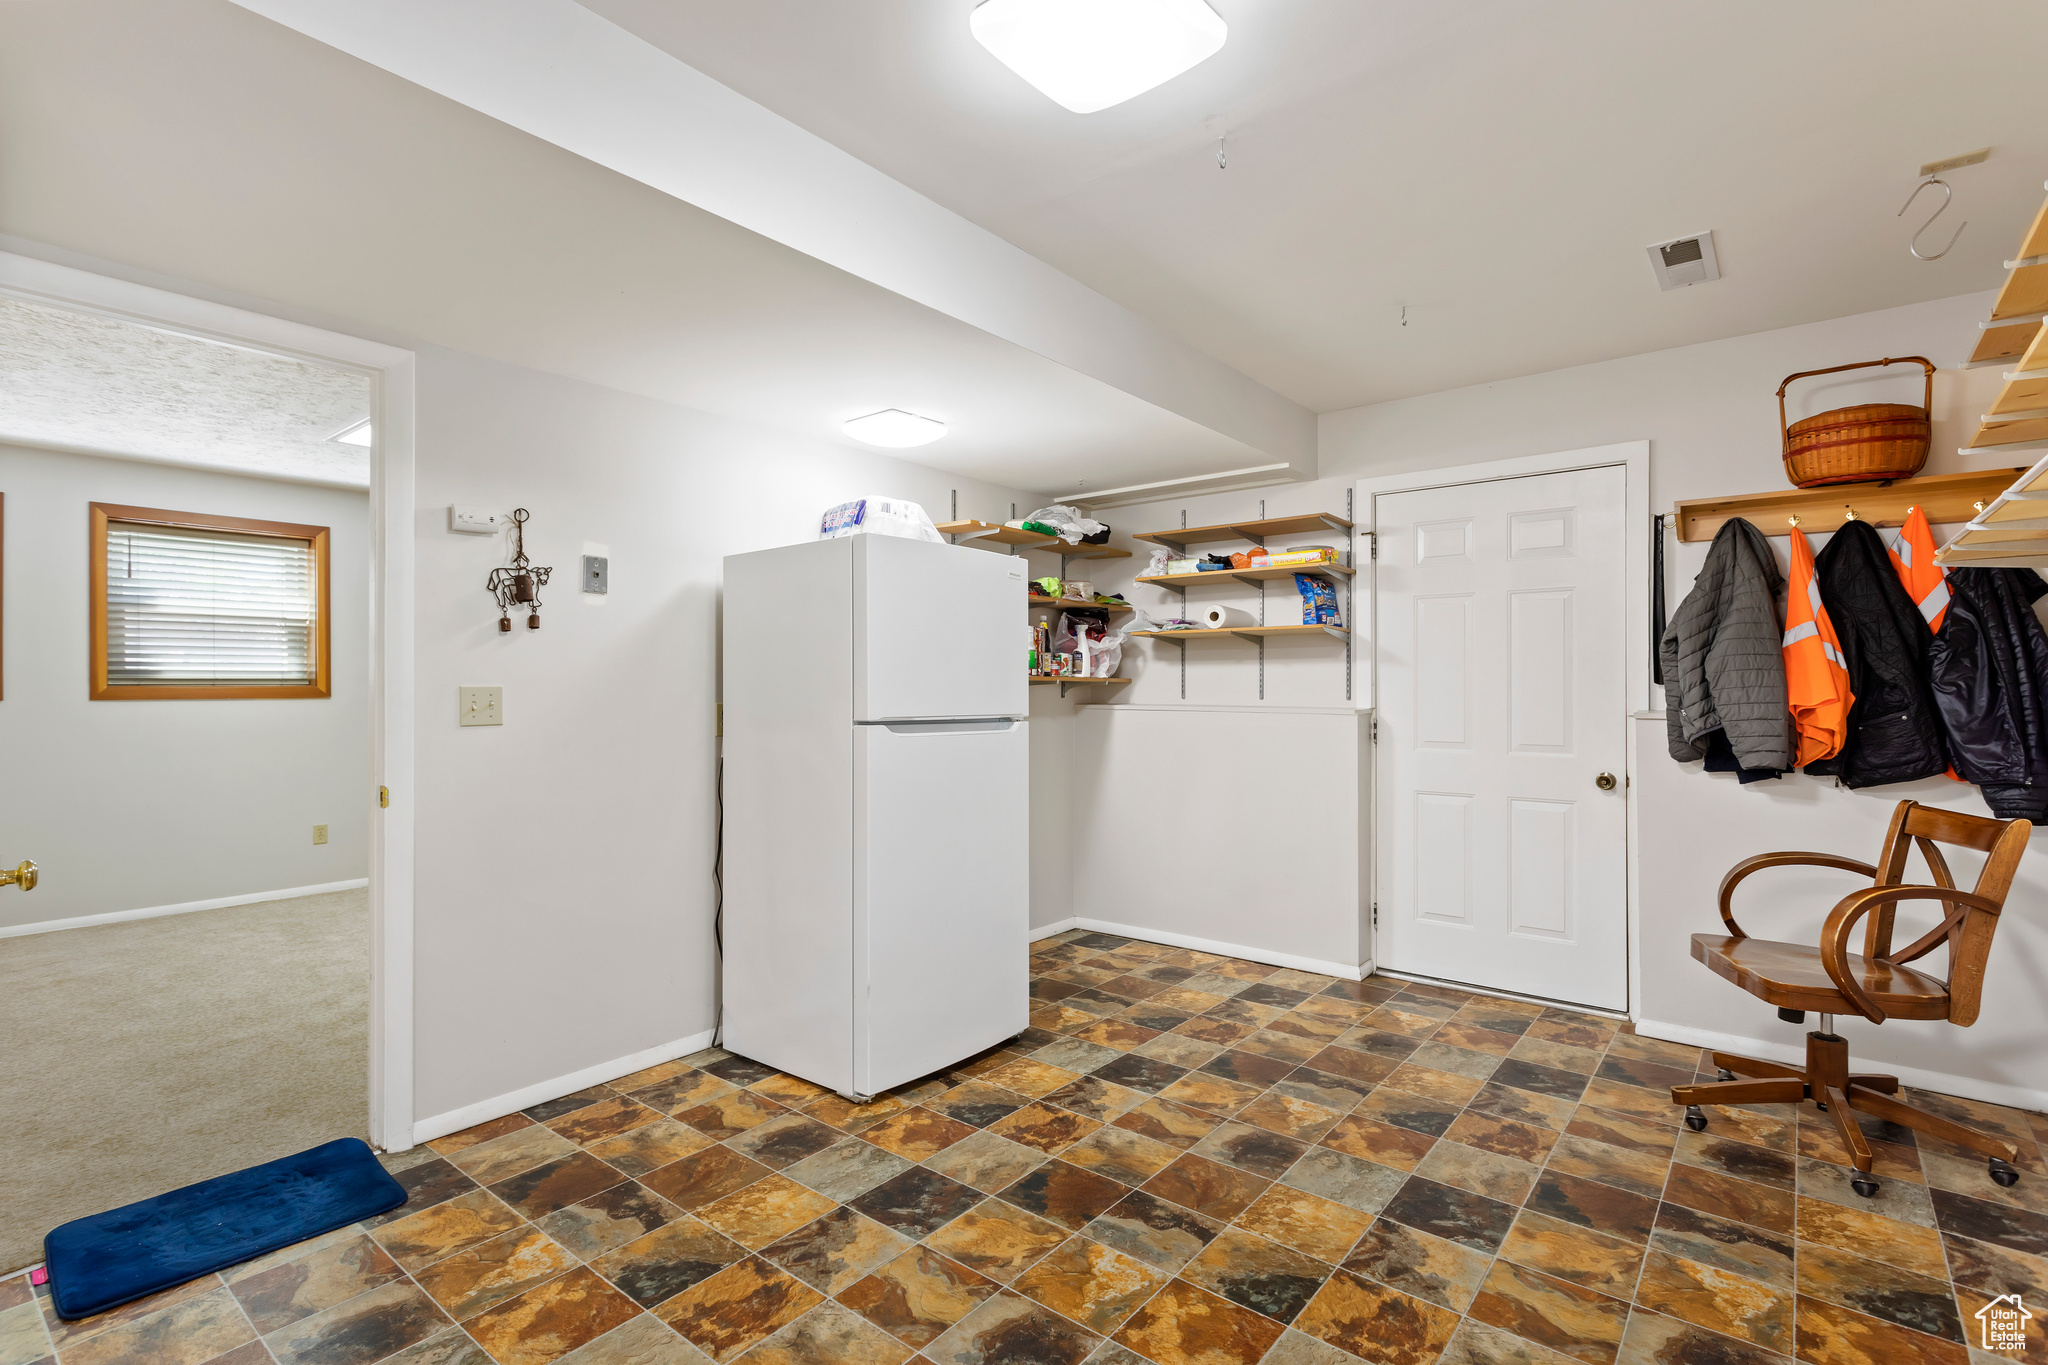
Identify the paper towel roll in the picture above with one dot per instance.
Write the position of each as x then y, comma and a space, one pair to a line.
1223, 618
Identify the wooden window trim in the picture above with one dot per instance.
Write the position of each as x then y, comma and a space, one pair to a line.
102, 513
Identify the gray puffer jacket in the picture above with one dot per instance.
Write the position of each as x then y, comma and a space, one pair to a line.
1723, 655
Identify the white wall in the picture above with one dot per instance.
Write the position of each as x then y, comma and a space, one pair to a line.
1224, 828
1275, 886
1711, 418
564, 896
136, 804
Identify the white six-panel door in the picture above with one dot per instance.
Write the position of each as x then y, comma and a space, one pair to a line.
1501, 702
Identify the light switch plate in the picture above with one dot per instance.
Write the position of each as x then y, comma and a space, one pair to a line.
597, 573
471, 522
481, 705
319, 834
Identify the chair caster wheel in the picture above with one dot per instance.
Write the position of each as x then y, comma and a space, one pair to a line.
1724, 1074
1864, 1186
2003, 1174
1695, 1119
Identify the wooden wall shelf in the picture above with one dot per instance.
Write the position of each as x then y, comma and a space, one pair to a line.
1181, 581
1944, 497
1254, 531
2015, 326
1243, 632
1038, 601
1065, 683
995, 533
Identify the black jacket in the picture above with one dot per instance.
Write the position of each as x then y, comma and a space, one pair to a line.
1990, 673
1894, 730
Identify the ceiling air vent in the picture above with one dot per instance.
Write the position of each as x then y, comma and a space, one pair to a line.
1685, 260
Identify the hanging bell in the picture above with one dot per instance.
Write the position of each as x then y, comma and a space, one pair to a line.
533, 621
522, 588
504, 623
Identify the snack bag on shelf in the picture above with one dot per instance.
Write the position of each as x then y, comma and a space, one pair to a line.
1318, 600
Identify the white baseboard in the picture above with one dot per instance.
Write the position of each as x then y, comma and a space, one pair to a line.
1794, 1054
483, 1111
1058, 926
159, 911
1348, 971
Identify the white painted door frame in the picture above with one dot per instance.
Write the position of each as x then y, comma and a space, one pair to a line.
1634, 456
391, 371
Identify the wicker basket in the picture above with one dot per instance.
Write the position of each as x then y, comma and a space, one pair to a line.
1873, 441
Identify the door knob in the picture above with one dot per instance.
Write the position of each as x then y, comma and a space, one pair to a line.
1605, 782
23, 876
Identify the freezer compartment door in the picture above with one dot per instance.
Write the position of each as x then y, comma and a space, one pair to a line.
938, 631
941, 895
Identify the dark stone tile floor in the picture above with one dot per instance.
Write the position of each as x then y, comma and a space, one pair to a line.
1187, 1160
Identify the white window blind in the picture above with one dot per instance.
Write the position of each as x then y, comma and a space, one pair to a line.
198, 607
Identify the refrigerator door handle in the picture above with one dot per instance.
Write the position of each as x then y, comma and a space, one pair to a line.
949, 725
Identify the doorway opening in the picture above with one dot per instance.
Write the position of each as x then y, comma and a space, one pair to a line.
192, 515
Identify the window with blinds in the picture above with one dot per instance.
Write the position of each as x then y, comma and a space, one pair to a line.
197, 610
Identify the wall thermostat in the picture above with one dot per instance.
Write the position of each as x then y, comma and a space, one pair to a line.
471, 522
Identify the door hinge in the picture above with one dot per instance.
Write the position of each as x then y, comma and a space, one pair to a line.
1375, 729
1375, 914
383, 797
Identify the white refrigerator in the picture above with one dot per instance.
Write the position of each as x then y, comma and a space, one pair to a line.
876, 871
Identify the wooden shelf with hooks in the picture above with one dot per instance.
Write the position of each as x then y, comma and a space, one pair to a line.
1944, 497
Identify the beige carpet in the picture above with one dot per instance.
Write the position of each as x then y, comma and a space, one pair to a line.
135, 1058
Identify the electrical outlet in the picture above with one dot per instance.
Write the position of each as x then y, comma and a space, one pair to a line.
480, 705
319, 834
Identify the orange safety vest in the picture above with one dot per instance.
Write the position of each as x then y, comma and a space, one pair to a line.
1926, 581
1816, 674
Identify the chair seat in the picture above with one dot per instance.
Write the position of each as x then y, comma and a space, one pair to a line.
1792, 975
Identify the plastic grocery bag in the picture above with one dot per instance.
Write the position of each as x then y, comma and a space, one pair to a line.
1161, 556
878, 517
1067, 521
1099, 643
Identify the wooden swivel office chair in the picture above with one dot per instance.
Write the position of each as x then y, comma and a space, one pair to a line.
1876, 984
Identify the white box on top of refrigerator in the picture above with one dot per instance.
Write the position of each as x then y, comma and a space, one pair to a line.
876, 804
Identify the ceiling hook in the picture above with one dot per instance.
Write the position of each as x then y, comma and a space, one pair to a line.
1914, 245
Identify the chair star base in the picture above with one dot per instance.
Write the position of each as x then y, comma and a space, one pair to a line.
1828, 1082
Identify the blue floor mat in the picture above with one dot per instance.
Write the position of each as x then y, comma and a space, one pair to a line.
128, 1253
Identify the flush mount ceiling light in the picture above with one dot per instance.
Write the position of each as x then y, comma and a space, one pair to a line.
355, 434
895, 428
1090, 54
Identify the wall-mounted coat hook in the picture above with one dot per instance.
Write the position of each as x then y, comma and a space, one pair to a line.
1914, 245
